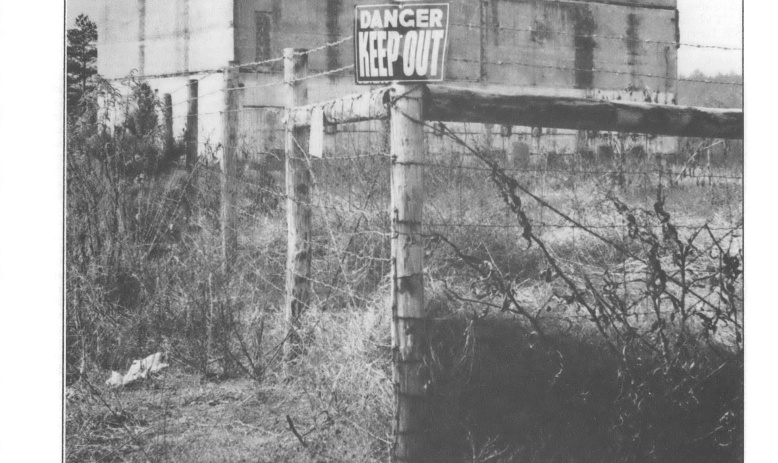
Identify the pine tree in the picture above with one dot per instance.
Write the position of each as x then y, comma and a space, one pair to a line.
82, 61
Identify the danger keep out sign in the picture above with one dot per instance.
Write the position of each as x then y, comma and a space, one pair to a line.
400, 42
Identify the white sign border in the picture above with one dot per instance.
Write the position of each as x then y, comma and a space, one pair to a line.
400, 5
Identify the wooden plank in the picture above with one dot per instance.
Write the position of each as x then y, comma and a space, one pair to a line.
455, 104
351, 108
451, 104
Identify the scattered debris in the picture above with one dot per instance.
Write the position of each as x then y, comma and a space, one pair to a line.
140, 369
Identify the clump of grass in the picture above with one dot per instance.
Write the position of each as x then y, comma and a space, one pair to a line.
345, 374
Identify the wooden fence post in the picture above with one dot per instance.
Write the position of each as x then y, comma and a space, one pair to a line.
229, 192
409, 320
298, 203
191, 125
168, 143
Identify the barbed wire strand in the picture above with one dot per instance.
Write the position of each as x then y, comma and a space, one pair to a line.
596, 70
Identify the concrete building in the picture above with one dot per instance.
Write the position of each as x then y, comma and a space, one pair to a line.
620, 49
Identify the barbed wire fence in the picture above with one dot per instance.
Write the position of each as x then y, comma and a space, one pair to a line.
621, 250
351, 225
567, 203
574, 206
350, 239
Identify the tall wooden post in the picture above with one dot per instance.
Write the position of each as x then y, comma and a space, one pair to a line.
229, 194
409, 320
191, 125
298, 200
168, 143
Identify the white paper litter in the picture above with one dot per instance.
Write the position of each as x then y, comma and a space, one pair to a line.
140, 369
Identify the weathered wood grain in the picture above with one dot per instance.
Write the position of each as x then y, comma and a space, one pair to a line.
298, 200
229, 193
452, 104
409, 321
191, 124
348, 109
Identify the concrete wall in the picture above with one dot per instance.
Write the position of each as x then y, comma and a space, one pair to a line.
667, 4
491, 43
612, 49
160, 37
170, 41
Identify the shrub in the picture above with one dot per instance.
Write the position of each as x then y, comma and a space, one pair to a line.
658, 324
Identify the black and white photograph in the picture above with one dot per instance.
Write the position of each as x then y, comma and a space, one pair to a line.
491, 231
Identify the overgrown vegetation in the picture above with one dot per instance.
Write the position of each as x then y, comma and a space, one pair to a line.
547, 344
81, 63
655, 326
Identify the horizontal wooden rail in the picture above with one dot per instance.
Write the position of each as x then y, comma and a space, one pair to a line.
453, 104
352, 108
469, 105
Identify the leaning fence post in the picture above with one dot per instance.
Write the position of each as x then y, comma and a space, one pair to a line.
229, 166
191, 125
298, 200
409, 320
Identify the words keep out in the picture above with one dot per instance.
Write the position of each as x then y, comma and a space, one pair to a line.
386, 52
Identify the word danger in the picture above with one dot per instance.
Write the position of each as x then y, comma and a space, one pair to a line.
400, 42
